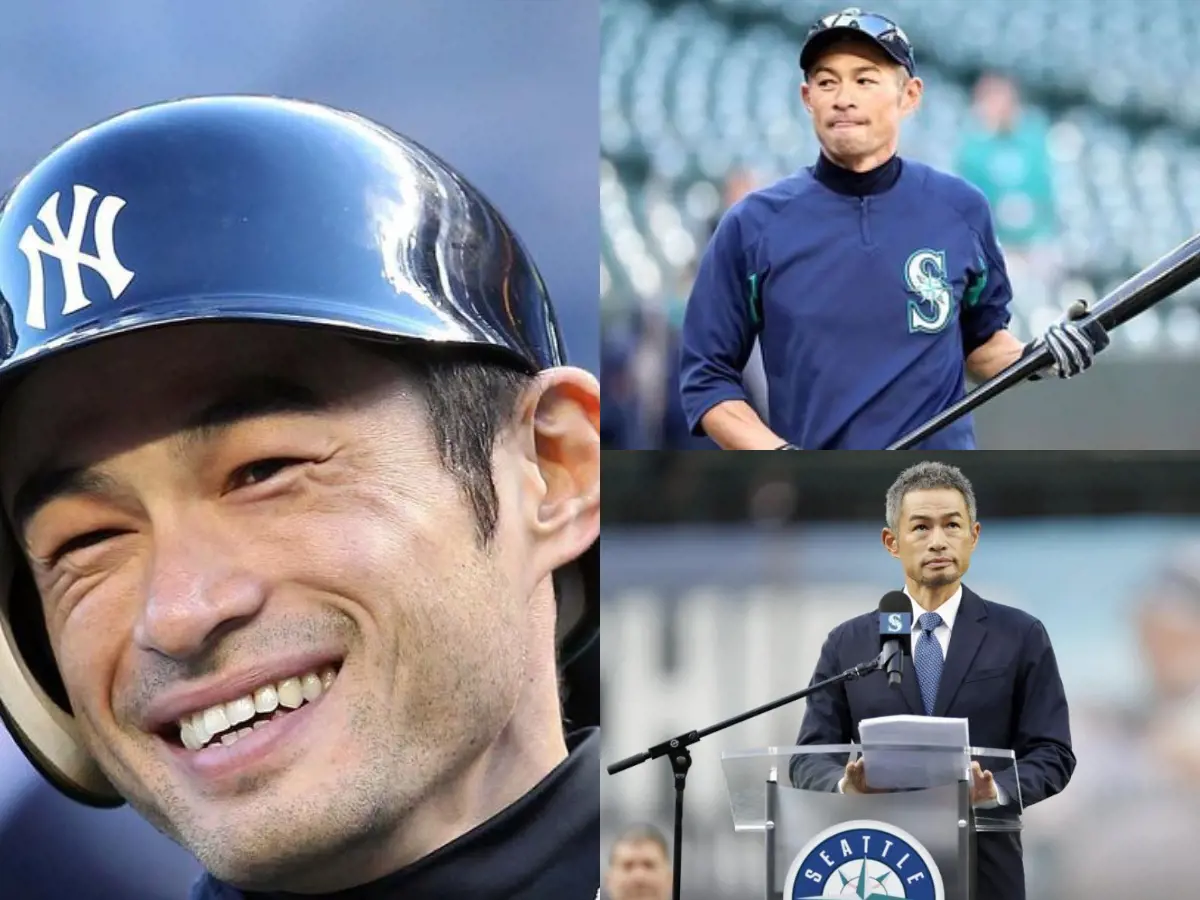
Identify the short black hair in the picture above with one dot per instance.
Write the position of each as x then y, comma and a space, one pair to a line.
641, 832
470, 400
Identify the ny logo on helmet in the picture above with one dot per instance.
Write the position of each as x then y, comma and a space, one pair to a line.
68, 249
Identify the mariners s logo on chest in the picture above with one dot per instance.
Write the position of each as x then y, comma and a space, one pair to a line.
930, 296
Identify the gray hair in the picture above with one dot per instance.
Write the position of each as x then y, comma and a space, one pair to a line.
926, 476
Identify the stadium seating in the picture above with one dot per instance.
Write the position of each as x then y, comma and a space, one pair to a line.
692, 91
1098, 50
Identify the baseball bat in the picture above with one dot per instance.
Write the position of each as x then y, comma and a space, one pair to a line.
1153, 284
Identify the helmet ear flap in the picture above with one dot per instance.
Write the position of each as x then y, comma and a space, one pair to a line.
33, 701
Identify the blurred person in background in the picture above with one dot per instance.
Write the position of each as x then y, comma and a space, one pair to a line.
639, 865
1006, 155
1137, 797
874, 284
971, 658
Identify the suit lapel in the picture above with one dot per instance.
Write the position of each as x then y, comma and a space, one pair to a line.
970, 627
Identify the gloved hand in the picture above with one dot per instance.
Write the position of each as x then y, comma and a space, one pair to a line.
1073, 346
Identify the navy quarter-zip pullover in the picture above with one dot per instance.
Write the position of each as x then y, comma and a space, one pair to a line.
867, 291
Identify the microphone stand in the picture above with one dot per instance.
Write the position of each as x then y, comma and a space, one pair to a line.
681, 758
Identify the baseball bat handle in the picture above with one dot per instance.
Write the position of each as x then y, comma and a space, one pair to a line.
1156, 282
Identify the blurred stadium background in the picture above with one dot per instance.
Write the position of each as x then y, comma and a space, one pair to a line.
1098, 176
504, 91
723, 573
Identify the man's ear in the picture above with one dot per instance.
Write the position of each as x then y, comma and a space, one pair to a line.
804, 96
910, 98
559, 416
890, 543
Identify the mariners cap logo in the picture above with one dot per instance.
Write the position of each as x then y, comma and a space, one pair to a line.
866, 860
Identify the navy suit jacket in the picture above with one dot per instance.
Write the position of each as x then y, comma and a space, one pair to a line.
1000, 674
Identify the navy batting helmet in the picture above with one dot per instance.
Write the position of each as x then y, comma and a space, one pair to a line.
247, 209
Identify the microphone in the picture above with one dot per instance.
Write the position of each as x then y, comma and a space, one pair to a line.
895, 633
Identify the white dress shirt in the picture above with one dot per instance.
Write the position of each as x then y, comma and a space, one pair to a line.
948, 611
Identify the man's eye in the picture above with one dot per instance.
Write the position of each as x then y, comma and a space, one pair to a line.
260, 471
82, 541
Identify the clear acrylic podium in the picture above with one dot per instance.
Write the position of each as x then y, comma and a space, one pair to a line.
914, 839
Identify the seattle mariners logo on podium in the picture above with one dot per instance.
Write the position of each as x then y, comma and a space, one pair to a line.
867, 860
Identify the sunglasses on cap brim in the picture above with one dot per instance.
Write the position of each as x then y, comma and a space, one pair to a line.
874, 26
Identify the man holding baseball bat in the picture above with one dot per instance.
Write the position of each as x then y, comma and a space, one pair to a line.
874, 284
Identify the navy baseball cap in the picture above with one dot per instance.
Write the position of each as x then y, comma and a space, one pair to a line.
882, 31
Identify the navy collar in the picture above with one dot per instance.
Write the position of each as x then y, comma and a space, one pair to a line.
857, 184
544, 845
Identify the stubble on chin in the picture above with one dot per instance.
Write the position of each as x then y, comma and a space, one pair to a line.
938, 579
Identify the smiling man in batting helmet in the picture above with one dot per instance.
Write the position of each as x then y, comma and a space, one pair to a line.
298, 492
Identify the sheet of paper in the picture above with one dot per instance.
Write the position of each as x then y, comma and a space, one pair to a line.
897, 769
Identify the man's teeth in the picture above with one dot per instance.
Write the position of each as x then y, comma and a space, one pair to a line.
291, 694
195, 731
266, 699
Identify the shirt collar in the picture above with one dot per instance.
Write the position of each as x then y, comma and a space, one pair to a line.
857, 184
948, 610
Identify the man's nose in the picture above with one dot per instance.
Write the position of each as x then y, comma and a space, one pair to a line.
195, 591
844, 98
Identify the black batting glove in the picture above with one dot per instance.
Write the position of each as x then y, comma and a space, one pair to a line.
1073, 344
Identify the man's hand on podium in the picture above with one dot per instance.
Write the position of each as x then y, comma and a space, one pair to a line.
855, 780
983, 788
984, 791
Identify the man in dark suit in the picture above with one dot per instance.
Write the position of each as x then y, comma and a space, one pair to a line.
972, 659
